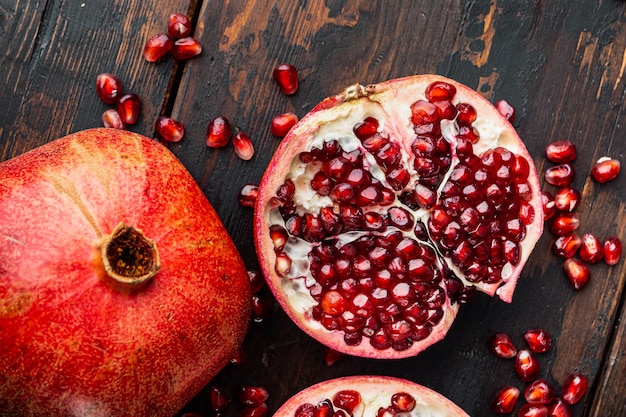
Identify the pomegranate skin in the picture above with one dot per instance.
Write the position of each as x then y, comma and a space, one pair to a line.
74, 340
376, 393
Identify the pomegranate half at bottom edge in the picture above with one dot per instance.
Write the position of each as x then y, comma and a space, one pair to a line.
386, 206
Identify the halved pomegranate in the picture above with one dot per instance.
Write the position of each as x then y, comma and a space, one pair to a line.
387, 205
368, 396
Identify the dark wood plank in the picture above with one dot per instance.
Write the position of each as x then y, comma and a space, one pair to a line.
560, 65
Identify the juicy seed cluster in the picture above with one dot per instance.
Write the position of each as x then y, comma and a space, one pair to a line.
398, 224
345, 402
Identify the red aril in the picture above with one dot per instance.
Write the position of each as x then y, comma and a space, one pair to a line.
526, 365
567, 199
539, 392
260, 410
505, 400
502, 346
538, 340
248, 194
548, 205
112, 119
128, 106
605, 169
286, 76
282, 123
506, 110
218, 399
169, 129
243, 146
178, 26
368, 396
115, 257
559, 408
574, 387
218, 132
108, 87
566, 246
591, 249
612, 250
257, 282
564, 223
157, 47
186, 48
252, 395
420, 206
577, 272
533, 410
561, 152
560, 175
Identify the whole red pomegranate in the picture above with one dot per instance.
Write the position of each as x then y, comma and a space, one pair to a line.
387, 205
369, 396
121, 293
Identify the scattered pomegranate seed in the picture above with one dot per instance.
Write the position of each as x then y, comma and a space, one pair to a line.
129, 106
243, 146
261, 308
561, 151
157, 47
533, 410
178, 26
282, 123
169, 129
605, 169
186, 48
526, 365
505, 400
218, 132
286, 76
255, 411
549, 206
248, 194
567, 199
560, 175
559, 408
566, 246
506, 110
502, 346
591, 249
539, 392
112, 119
538, 340
332, 357
574, 387
612, 249
257, 282
577, 272
564, 223
252, 395
218, 399
108, 87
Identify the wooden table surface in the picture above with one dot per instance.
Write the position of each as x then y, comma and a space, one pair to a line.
561, 64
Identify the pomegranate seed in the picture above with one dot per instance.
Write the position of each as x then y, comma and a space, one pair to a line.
467, 114
403, 402
260, 410
591, 250
366, 129
112, 119
605, 169
186, 48
612, 249
526, 365
248, 194
567, 199
286, 76
506, 110
548, 204
538, 340
261, 308
128, 106
577, 272
282, 123
539, 392
257, 282
505, 400
533, 410
178, 26
561, 152
218, 132
559, 408
560, 175
219, 400
566, 246
171, 130
331, 356
157, 46
564, 223
574, 387
243, 146
502, 346
440, 91
348, 400
252, 395
108, 87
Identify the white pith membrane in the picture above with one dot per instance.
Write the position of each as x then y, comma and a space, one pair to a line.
376, 393
389, 103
